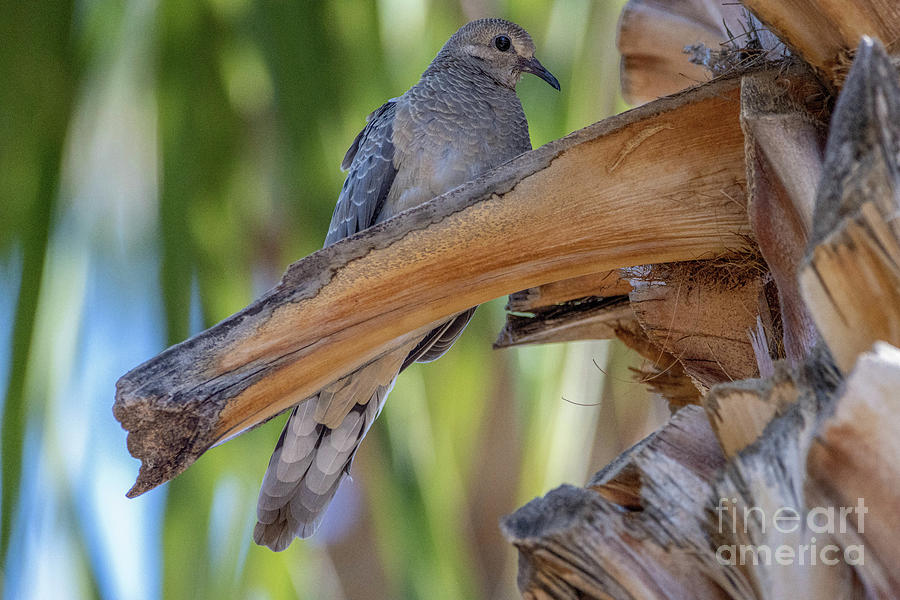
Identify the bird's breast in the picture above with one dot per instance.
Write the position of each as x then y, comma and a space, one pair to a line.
442, 143
426, 174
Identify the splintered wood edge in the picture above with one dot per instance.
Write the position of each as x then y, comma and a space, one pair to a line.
784, 138
825, 32
769, 475
854, 460
588, 307
739, 412
852, 288
607, 283
850, 277
442, 257
651, 43
580, 540
586, 319
576, 540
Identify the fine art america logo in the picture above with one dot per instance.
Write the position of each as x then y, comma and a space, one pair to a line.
821, 520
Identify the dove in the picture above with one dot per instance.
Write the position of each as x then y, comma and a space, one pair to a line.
460, 120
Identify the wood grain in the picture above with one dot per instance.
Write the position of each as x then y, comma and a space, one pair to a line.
651, 39
824, 32
851, 278
853, 460
605, 284
784, 140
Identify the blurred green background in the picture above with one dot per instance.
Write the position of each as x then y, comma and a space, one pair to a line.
161, 163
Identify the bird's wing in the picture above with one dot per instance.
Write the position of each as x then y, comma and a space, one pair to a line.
436, 343
371, 172
370, 162
323, 432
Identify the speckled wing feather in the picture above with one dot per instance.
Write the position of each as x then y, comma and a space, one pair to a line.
436, 343
371, 172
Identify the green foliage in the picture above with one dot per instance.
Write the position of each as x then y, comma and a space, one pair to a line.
38, 76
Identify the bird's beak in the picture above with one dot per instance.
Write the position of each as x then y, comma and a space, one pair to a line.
534, 66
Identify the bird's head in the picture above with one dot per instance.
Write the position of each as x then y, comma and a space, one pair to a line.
499, 48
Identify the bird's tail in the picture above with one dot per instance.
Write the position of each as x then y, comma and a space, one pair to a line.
315, 450
306, 469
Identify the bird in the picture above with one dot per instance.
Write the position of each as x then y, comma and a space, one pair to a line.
460, 120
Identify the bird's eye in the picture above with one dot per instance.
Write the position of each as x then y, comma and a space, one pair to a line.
502, 42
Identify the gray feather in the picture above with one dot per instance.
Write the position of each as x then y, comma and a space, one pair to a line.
370, 161
294, 495
456, 123
436, 343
